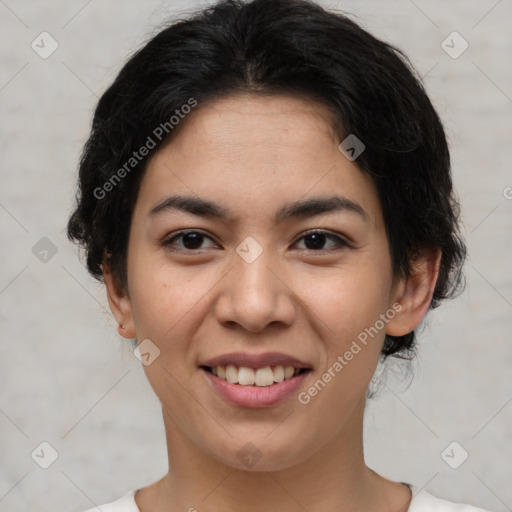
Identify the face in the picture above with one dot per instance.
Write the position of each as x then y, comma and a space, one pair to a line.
259, 278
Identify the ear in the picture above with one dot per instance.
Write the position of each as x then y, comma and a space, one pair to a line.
120, 304
415, 293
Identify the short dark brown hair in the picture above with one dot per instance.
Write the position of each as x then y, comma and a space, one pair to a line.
275, 47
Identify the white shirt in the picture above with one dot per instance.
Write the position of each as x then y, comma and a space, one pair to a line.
422, 501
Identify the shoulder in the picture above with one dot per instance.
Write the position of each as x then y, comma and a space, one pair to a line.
423, 501
125, 503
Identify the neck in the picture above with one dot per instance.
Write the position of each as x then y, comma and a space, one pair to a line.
335, 478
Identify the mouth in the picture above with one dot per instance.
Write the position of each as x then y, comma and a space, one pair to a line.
254, 377
244, 379
255, 387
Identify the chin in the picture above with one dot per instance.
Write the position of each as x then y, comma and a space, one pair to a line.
262, 453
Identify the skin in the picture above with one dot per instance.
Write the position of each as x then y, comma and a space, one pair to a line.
253, 154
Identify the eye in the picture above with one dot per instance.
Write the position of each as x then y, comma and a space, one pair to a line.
315, 240
191, 240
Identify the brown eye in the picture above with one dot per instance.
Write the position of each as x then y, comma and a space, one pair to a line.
315, 240
191, 240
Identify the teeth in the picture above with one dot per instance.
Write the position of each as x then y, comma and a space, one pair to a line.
250, 377
246, 376
278, 374
288, 372
264, 376
231, 374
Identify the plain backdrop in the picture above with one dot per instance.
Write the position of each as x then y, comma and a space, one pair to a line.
69, 380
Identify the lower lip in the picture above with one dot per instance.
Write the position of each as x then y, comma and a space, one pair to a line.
255, 396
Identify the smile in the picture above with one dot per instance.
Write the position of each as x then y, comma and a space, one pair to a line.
258, 377
245, 379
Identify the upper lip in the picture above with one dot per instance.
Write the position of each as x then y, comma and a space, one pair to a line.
255, 360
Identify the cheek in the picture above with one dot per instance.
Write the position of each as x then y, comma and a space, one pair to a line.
169, 304
349, 299
162, 295
349, 307
164, 302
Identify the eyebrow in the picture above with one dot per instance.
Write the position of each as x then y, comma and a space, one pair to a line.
298, 209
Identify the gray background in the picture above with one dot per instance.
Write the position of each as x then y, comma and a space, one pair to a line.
67, 378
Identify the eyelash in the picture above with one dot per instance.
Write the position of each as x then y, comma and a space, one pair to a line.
167, 243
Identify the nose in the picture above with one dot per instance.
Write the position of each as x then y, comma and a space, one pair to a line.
256, 294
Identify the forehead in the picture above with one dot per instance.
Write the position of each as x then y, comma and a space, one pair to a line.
255, 153
275, 121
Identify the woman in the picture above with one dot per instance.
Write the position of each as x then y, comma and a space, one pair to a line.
225, 151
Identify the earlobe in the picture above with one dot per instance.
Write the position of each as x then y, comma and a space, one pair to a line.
414, 294
120, 304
